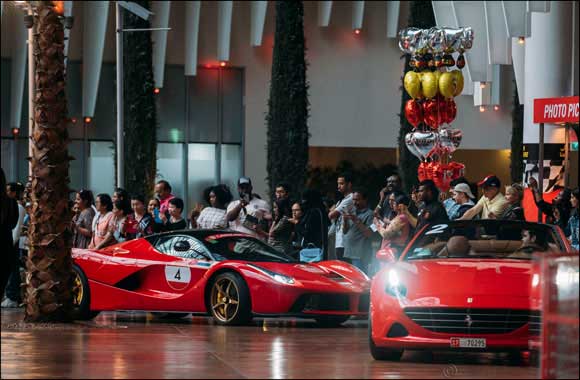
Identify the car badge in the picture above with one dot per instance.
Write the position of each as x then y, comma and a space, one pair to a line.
469, 300
468, 320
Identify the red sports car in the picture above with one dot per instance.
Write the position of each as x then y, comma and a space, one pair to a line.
229, 275
463, 285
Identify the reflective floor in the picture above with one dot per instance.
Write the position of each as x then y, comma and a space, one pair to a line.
139, 345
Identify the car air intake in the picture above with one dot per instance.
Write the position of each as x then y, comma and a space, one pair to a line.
535, 322
321, 302
469, 321
396, 331
364, 302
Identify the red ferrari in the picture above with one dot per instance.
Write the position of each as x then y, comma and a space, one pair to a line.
230, 276
463, 285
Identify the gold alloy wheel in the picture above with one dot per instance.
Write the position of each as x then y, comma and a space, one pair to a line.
77, 290
225, 300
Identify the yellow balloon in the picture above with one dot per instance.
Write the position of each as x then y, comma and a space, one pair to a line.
412, 84
429, 84
459, 78
447, 85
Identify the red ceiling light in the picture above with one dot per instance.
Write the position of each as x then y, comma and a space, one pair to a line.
207, 66
73, 120
496, 108
156, 90
15, 131
481, 109
223, 63
88, 120
357, 31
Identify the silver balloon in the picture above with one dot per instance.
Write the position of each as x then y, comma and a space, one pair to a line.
436, 38
411, 146
450, 139
409, 39
452, 39
425, 143
467, 39
424, 42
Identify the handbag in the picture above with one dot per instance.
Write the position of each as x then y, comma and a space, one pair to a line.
311, 254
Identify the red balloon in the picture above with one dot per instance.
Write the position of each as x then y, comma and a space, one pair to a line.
434, 112
442, 176
450, 110
422, 172
413, 112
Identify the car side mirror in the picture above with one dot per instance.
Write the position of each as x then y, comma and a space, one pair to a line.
182, 246
386, 255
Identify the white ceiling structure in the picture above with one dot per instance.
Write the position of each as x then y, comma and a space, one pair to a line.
497, 25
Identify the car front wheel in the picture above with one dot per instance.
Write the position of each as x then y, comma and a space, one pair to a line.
229, 300
379, 353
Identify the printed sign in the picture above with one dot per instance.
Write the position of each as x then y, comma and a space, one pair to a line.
177, 278
557, 110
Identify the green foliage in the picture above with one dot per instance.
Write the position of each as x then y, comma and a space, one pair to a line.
367, 177
516, 157
139, 103
287, 147
420, 16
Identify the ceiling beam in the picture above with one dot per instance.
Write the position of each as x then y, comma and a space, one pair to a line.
358, 10
518, 61
324, 10
94, 29
393, 9
68, 9
499, 44
225, 9
19, 50
259, 9
192, 10
160, 19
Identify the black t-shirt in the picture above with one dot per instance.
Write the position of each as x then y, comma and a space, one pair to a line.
181, 225
432, 212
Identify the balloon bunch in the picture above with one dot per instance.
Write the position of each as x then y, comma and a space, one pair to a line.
432, 108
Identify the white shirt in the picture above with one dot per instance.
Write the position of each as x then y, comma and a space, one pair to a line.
257, 207
345, 206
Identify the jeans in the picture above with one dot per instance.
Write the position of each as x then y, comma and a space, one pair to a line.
361, 264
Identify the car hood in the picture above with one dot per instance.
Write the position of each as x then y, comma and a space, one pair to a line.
460, 278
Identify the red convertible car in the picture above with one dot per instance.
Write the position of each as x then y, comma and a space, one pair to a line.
463, 285
229, 275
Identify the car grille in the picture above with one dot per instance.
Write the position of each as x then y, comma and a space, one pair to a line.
471, 321
535, 322
364, 302
321, 302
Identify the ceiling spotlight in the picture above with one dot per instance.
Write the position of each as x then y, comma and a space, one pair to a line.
481, 109
357, 31
15, 131
482, 84
88, 120
496, 108
521, 40
156, 90
73, 120
223, 63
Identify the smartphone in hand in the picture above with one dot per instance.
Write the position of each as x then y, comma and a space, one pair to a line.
156, 216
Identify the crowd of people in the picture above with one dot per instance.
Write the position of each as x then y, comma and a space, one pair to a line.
345, 229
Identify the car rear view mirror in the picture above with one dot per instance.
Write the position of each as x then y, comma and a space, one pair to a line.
386, 255
182, 246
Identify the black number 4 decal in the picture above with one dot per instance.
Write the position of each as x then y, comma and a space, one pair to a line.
178, 275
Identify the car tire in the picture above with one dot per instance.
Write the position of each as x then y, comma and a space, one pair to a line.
332, 321
229, 300
379, 353
82, 301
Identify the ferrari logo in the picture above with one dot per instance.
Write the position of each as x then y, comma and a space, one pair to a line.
468, 320
469, 300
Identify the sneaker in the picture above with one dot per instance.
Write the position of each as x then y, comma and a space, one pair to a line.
8, 303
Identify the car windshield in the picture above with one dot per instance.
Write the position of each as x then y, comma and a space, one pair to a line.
483, 239
240, 247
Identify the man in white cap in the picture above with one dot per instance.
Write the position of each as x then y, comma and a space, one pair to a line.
462, 196
249, 213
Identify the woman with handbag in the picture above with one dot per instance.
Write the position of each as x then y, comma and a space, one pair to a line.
280, 234
313, 227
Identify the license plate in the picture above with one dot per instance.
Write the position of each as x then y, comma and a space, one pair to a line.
468, 342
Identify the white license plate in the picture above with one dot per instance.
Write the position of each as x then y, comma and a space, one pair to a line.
468, 342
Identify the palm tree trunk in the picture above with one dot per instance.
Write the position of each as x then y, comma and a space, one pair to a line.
49, 273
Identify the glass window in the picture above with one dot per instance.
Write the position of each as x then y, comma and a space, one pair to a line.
170, 167
182, 246
171, 110
101, 167
7, 161
236, 247
232, 92
74, 97
231, 165
203, 106
75, 149
104, 125
201, 173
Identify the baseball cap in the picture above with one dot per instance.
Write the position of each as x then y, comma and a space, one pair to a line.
490, 180
463, 188
244, 180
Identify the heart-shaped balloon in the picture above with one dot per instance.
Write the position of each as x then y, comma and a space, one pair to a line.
409, 39
425, 143
466, 39
442, 176
452, 40
450, 139
457, 169
450, 111
423, 172
433, 112
436, 38
413, 112
411, 146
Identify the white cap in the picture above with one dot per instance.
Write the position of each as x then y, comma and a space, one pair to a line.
463, 188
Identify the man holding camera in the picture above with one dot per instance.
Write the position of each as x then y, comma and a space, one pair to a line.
249, 214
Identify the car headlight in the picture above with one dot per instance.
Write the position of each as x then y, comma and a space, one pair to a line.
394, 286
535, 280
276, 276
